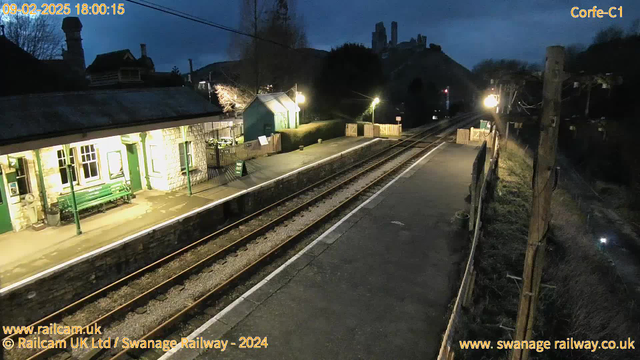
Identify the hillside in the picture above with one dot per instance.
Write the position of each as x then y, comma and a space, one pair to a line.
309, 61
402, 66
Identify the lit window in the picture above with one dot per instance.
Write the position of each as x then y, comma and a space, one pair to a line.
189, 152
154, 156
62, 167
22, 176
89, 159
114, 161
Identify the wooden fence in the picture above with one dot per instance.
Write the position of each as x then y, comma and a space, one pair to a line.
481, 181
249, 150
351, 129
377, 130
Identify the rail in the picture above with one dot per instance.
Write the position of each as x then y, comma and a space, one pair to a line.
104, 319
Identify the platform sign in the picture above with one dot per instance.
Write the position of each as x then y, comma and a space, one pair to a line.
241, 168
484, 124
398, 118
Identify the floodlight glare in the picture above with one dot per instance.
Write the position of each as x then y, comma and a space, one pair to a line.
491, 101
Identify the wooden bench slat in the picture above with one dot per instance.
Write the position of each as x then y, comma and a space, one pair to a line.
97, 195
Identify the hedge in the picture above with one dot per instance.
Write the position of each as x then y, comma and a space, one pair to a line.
308, 134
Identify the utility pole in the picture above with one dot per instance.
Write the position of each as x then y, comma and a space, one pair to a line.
543, 184
255, 44
586, 109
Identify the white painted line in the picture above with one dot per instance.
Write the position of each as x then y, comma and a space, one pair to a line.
243, 297
98, 251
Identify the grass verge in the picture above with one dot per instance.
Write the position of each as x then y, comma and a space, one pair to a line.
589, 302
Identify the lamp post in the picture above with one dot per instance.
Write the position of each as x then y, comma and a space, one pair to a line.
300, 99
491, 101
375, 102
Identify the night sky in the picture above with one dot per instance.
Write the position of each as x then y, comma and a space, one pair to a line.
468, 30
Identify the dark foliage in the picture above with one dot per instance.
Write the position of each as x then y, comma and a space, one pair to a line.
348, 71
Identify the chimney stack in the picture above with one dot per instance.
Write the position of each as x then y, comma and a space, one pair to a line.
74, 55
143, 50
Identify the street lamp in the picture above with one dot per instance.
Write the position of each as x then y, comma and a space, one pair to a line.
491, 101
375, 102
300, 100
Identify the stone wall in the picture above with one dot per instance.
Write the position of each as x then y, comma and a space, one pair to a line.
167, 159
172, 139
42, 296
18, 207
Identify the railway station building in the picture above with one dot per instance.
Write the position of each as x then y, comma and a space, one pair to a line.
118, 142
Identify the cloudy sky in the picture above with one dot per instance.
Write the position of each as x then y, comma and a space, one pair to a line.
467, 30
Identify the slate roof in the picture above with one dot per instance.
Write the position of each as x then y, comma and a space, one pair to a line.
276, 102
115, 60
40, 116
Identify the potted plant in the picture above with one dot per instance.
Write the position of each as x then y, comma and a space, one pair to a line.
53, 216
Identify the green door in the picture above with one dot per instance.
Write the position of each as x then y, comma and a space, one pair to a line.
134, 167
5, 218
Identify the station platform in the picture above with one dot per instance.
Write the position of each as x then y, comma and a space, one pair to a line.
376, 285
27, 253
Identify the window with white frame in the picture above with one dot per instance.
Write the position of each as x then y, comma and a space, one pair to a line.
62, 166
189, 156
89, 158
154, 156
114, 162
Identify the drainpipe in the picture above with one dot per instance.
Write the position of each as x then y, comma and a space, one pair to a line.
43, 191
74, 204
143, 139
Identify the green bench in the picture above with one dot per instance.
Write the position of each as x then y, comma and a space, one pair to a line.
95, 195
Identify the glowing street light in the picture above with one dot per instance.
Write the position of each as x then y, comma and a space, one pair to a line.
300, 98
375, 102
603, 240
491, 101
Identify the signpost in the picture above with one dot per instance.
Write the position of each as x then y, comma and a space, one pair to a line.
241, 168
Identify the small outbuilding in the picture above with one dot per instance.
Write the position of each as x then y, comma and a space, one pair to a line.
268, 113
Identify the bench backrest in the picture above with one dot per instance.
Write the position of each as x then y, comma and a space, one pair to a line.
92, 193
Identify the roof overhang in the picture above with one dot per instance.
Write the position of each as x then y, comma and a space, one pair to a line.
32, 144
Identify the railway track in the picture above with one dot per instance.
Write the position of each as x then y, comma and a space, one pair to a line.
219, 260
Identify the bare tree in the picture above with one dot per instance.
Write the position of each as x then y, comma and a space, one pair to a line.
232, 98
38, 35
269, 61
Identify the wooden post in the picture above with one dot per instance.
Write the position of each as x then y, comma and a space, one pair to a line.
506, 140
543, 180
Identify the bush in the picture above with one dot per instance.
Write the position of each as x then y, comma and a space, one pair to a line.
308, 134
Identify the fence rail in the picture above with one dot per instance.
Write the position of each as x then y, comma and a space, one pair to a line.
477, 201
251, 149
